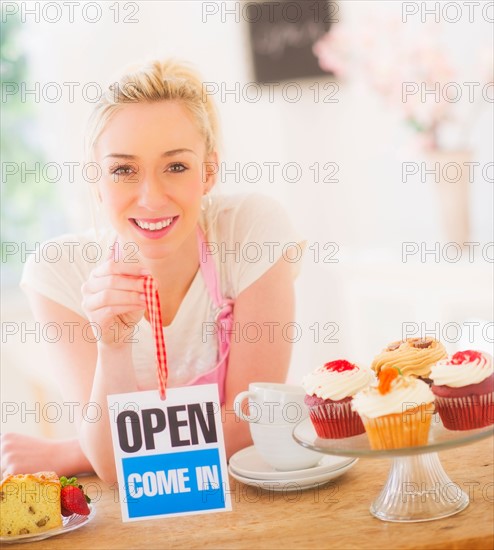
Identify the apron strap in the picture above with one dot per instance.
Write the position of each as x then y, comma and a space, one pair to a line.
223, 315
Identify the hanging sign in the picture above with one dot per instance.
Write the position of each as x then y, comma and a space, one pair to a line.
170, 455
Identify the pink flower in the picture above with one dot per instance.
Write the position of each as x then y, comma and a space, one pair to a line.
389, 59
332, 51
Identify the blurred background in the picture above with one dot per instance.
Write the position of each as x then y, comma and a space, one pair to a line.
371, 122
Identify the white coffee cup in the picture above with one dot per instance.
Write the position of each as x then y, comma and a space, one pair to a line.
274, 411
272, 403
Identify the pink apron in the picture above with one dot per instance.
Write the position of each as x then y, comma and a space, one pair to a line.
223, 317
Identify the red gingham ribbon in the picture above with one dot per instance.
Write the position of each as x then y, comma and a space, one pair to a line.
154, 311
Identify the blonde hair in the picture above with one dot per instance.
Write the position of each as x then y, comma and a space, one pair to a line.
169, 80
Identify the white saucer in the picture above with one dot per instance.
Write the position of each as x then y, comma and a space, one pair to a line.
247, 463
286, 485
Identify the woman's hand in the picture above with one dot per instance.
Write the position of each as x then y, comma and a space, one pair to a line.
113, 299
25, 454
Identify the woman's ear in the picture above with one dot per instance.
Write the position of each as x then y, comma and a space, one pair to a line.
210, 170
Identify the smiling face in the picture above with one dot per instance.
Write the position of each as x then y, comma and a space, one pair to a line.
152, 157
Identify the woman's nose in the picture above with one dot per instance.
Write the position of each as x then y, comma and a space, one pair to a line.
152, 193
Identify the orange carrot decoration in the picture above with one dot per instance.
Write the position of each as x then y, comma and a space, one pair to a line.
386, 376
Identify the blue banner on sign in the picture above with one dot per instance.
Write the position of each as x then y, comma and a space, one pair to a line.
172, 483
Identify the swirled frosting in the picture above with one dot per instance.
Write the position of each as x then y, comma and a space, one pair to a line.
413, 356
336, 380
464, 368
406, 392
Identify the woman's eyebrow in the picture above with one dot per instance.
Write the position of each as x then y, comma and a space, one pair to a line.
165, 154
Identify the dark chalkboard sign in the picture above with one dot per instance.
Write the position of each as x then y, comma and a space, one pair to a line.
282, 35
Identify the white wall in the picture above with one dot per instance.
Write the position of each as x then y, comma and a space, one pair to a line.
369, 212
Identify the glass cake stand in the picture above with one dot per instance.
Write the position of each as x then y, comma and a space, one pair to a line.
417, 488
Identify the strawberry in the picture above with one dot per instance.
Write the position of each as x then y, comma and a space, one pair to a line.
73, 499
66, 513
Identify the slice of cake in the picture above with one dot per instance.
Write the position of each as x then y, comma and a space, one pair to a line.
29, 504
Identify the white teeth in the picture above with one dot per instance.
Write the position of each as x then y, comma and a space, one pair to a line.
154, 226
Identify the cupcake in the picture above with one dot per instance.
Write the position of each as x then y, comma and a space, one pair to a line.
464, 387
329, 394
413, 356
397, 412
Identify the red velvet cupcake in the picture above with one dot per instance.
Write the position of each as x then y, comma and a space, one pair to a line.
464, 389
330, 389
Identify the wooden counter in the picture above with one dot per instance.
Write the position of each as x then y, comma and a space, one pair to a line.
333, 516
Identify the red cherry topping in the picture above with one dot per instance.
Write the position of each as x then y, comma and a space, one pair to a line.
340, 365
465, 357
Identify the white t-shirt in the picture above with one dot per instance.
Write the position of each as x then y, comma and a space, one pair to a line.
247, 235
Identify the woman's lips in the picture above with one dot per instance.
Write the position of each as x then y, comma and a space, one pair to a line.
148, 232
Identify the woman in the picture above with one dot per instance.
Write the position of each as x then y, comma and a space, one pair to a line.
155, 137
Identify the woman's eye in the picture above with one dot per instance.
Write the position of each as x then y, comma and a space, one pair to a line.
177, 167
121, 170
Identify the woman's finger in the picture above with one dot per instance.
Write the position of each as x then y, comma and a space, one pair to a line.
110, 312
111, 298
119, 268
115, 282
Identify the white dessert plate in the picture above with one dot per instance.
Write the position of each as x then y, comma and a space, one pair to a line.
285, 485
71, 523
248, 463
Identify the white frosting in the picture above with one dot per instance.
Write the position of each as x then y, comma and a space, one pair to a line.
445, 373
405, 393
333, 385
